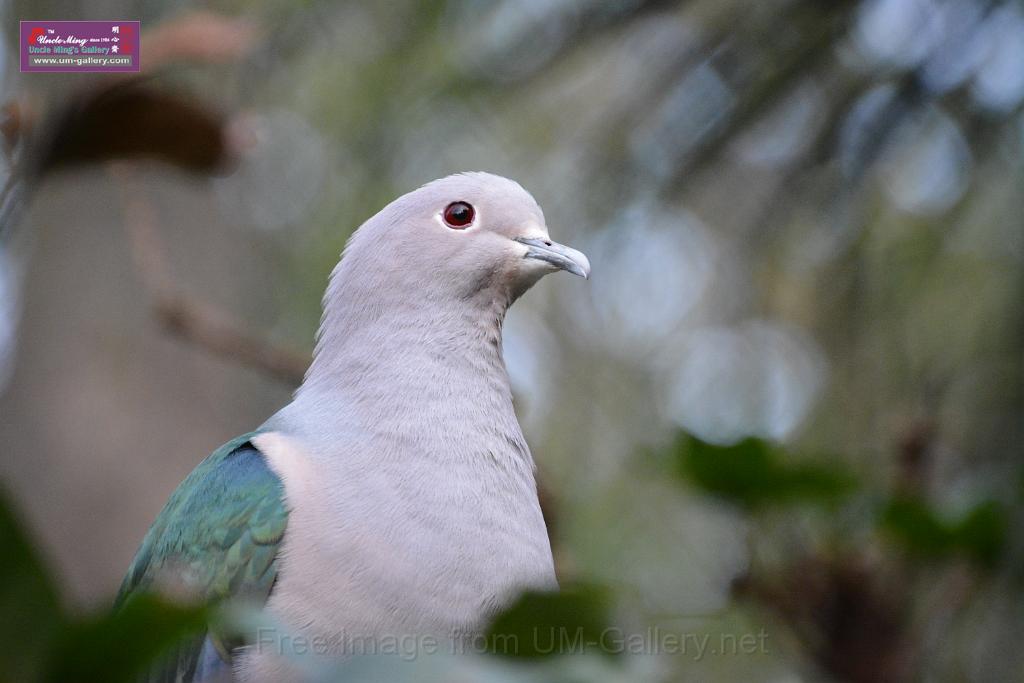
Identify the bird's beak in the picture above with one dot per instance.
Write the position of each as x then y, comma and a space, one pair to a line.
558, 255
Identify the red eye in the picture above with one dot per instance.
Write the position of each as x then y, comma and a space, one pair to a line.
459, 215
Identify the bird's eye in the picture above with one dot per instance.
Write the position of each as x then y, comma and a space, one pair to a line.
458, 215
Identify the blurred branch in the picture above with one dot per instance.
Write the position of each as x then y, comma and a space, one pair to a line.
821, 28
212, 329
17, 120
761, 85
190, 319
850, 613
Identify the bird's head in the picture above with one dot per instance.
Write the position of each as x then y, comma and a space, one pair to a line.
427, 279
462, 237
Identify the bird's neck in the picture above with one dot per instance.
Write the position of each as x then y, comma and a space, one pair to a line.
427, 372
404, 340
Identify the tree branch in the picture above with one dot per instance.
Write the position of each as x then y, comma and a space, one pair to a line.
187, 318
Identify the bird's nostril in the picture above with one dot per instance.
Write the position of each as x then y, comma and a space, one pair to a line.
547, 242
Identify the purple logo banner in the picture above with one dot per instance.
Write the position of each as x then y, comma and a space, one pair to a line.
79, 46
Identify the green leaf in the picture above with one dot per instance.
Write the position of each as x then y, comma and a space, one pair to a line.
917, 526
753, 473
980, 534
32, 615
122, 644
542, 624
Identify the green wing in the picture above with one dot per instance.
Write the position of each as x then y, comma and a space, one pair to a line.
217, 538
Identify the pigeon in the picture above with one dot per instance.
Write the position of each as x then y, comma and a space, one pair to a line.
395, 496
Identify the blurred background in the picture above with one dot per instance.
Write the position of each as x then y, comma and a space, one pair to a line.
790, 401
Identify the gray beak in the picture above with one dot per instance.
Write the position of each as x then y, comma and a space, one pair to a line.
558, 255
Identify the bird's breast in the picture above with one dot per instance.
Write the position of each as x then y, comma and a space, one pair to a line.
388, 544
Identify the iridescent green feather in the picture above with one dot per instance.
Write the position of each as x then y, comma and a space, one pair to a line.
216, 538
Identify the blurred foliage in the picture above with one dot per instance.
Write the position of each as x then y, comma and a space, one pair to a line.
119, 645
42, 642
753, 473
537, 623
28, 602
980, 534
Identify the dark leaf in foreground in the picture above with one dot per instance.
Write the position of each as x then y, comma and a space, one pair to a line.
541, 624
28, 601
121, 645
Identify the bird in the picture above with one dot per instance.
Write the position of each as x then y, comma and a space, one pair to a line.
395, 494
